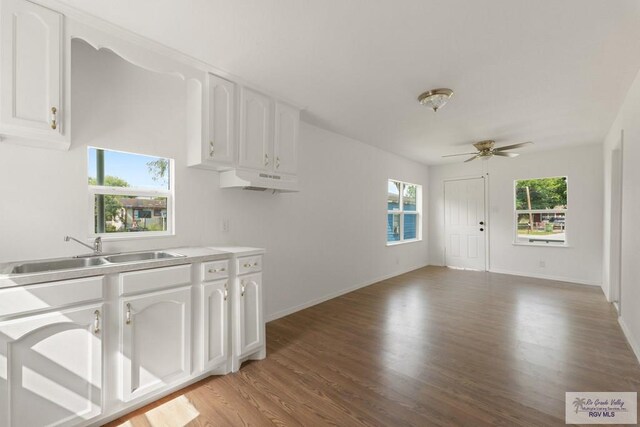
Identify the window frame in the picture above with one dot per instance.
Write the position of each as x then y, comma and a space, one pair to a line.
169, 194
400, 211
517, 212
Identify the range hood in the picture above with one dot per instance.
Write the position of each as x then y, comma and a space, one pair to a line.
258, 181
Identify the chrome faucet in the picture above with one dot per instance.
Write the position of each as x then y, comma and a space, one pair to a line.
97, 244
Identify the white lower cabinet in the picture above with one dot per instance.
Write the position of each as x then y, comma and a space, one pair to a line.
215, 326
250, 323
83, 351
155, 341
51, 368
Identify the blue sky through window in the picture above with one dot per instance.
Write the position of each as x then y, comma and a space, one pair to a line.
130, 167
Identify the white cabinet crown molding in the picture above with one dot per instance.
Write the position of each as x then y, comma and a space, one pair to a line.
88, 20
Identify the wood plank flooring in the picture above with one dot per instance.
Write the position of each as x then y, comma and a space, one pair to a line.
431, 347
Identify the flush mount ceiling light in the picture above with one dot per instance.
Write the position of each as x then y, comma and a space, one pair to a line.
435, 99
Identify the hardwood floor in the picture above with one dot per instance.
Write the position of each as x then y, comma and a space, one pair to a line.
431, 347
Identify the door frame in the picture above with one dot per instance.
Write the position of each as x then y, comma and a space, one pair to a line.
616, 223
487, 228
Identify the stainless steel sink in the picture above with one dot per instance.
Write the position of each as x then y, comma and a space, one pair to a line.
84, 262
64, 264
142, 256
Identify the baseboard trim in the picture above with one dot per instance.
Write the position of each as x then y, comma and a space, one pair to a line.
627, 334
332, 295
546, 277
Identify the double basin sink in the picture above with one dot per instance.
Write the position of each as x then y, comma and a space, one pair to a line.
90, 261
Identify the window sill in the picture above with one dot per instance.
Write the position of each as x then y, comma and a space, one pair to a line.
402, 242
542, 245
130, 236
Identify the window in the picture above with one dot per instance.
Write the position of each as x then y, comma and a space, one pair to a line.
541, 211
403, 212
131, 195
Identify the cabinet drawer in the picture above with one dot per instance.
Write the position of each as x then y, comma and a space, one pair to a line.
249, 264
27, 299
215, 270
158, 278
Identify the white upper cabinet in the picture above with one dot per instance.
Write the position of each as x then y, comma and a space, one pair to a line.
255, 130
212, 130
32, 69
51, 370
222, 131
268, 134
285, 143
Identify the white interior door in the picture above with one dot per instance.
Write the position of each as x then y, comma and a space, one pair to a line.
465, 224
615, 247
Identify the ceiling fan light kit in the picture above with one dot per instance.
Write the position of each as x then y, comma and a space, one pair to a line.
436, 98
486, 150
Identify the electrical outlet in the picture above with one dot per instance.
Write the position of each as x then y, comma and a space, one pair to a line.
224, 226
542, 264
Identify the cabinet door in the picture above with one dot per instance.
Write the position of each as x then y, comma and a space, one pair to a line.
31, 60
215, 296
255, 130
51, 368
155, 341
251, 326
286, 139
222, 109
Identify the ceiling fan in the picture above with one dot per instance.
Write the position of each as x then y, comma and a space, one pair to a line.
486, 150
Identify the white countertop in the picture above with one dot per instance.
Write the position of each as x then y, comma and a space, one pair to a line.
239, 250
191, 255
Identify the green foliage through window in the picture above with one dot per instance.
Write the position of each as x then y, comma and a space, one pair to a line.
112, 204
543, 193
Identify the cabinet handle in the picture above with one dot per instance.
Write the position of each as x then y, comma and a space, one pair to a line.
217, 270
226, 291
255, 264
212, 149
266, 159
242, 288
54, 120
96, 322
277, 162
247, 265
128, 314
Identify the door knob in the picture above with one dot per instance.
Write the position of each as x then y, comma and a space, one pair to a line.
54, 118
482, 229
481, 222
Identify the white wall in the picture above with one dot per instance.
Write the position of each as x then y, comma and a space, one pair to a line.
326, 239
581, 262
626, 120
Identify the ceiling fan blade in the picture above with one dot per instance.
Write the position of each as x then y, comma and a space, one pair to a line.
509, 147
454, 155
505, 154
472, 158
